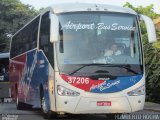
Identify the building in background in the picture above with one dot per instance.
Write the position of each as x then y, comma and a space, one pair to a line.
157, 22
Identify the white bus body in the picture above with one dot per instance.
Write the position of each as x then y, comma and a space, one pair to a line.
67, 72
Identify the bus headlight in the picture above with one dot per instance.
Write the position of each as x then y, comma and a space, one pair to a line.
66, 92
138, 91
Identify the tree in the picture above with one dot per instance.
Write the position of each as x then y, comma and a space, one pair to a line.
152, 55
148, 10
13, 16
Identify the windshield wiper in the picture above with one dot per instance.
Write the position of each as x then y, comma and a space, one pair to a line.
83, 67
127, 67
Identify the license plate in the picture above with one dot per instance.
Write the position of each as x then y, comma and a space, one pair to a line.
104, 103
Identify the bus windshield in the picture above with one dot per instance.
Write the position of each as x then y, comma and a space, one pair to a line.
98, 38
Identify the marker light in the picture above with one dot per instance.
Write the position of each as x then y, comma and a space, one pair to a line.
66, 92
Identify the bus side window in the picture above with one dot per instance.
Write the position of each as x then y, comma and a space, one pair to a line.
25, 39
44, 39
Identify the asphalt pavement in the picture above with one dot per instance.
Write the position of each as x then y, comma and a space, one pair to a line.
148, 105
8, 112
152, 106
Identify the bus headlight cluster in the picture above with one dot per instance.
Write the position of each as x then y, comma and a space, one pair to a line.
66, 92
138, 91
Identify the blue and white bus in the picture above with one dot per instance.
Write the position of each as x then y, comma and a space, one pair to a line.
58, 61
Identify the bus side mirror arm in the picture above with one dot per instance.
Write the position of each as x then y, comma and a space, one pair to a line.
54, 28
150, 28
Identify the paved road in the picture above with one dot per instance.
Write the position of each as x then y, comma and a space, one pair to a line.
9, 110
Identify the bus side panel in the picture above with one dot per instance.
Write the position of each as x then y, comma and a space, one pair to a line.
29, 83
16, 67
46, 78
34, 74
28, 72
43, 76
23, 75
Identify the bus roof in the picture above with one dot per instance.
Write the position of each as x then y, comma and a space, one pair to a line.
72, 7
4, 55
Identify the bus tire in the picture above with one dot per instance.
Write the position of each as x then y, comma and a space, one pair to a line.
46, 113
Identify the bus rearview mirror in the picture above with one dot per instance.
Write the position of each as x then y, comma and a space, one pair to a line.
150, 28
54, 28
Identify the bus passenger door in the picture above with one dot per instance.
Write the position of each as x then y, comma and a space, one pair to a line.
47, 50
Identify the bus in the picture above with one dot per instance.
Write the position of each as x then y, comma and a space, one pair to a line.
58, 61
4, 76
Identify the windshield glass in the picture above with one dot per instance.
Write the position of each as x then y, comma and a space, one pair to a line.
92, 38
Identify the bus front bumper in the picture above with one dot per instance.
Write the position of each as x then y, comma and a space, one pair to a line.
97, 105
92, 105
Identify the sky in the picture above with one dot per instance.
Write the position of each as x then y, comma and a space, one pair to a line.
45, 3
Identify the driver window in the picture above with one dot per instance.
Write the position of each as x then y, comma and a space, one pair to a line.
44, 38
